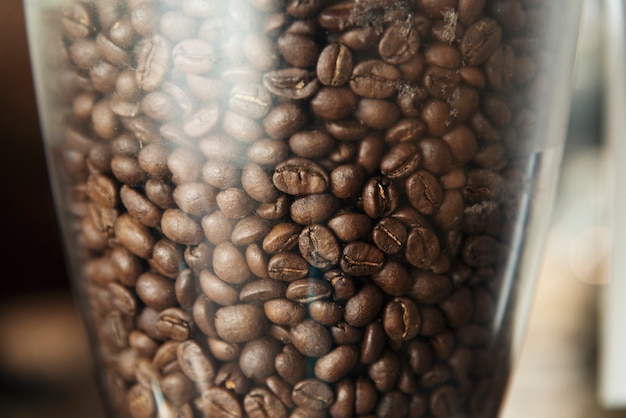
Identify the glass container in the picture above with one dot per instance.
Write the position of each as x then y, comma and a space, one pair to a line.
303, 208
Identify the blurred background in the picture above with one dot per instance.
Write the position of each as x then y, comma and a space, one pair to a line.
45, 369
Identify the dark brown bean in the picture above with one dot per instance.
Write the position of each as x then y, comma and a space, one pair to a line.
310, 338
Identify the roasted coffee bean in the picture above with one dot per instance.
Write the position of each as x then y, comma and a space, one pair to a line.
443, 401
217, 290
248, 230
300, 176
333, 103
345, 334
424, 192
399, 43
140, 401
318, 246
311, 144
401, 319
239, 323
231, 377
374, 79
363, 306
298, 50
400, 161
257, 357
350, 226
422, 247
235, 203
336, 364
291, 83
284, 120
313, 394
384, 372
290, 364
159, 193
310, 339
392, 404
259, 403
155, 290
377, 113
284, 311
380, 197
126, 266
282, 237
258, 183
343, 285
222, 350
167, 258
287, 267
229, 264
175, 324
393, 278
313, 209
389, 235
361, 259
433, 321
308, 290
126, 169
366, 396
334, 65
218, 402
429, 287
274, 210
481, 251
257, 261
217, 227
194, 363
180, 227
480, 40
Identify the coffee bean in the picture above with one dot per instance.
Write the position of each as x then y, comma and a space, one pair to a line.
401, 319
380, 197
336, 364
291, 83
248, 230
222, 350
140, 401
389, 235
374, 79
235, 203
480, 40
313, 209
385, 371
219, 402
287, 267
299, 176
290, 364
429, 287
334, 65
343, 286
443, 402
318, 246
424, 192
217, 290
284, 311
310, 339
363, 306
260, 403
257, 357
350, 226
229, 264
284, 120
239, 323
366, 396
377, 113
313, 394
308, 290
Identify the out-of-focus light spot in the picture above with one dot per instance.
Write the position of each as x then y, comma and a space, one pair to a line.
588, 255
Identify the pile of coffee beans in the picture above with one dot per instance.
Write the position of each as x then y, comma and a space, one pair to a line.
295, 208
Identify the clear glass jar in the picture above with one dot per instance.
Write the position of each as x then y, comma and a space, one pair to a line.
296, 208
